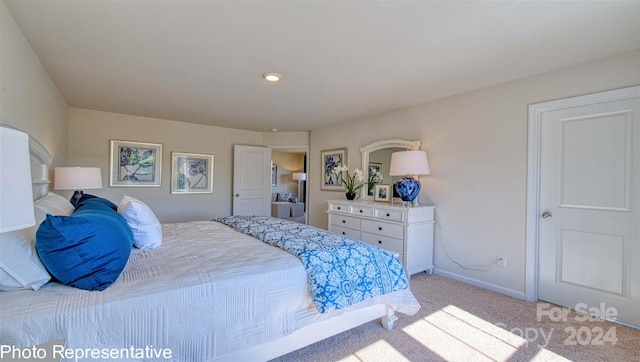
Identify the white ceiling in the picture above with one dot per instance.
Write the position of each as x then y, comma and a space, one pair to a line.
201, 61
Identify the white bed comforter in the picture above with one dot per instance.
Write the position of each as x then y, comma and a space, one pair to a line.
207, 291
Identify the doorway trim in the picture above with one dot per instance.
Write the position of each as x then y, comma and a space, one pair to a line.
536, 111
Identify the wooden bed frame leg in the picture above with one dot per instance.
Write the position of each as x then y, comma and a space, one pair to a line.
387, 320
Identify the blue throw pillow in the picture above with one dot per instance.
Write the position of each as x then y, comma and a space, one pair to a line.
95, 199
88, 249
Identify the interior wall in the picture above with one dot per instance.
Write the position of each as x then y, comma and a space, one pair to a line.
286, 139
90, 133
29, 100
477, 148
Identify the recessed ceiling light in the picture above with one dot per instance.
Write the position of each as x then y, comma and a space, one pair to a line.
271, 77
274, 130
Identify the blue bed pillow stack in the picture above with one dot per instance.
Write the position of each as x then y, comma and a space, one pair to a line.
88, 249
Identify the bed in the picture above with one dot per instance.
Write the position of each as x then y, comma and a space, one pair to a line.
207, 293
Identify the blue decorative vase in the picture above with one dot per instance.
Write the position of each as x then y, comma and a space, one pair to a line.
408, 188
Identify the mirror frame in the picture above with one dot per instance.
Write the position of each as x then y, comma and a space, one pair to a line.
378, 145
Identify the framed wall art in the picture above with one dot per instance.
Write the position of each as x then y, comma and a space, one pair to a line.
330, 160
382, 193
135, 164
191, 173
274, 175
372, 181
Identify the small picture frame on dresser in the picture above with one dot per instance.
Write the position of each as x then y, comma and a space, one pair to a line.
382, 193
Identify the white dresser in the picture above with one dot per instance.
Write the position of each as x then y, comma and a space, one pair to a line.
407, 231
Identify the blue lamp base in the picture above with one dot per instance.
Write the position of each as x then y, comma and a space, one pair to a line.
75, 199
408, 188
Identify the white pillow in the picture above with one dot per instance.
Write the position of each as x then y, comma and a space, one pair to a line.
54, 204
147, 231
20, 267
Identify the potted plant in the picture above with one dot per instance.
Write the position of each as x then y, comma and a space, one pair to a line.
352, 181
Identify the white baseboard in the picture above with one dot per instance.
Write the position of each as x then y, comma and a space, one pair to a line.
478, 283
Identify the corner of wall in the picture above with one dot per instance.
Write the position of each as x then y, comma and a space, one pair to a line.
30, 100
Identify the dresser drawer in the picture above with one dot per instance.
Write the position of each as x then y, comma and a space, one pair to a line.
361, 210
337, 207
392, 244
406, 232
345, 221
391, 215
383, 228
352, 233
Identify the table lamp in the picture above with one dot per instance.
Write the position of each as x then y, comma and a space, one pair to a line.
78, 179
299, 176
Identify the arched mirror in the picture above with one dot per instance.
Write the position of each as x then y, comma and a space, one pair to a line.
377, 157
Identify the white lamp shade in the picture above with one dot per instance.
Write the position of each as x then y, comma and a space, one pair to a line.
299, 176
77, 178
16, 191
405, 163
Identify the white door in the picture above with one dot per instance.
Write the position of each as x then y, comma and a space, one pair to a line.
251, 180
589, 227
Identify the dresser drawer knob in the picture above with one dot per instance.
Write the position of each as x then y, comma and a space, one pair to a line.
338, 207
361, 211
379, 241
343, 233
344, 221
380, 228
388, 214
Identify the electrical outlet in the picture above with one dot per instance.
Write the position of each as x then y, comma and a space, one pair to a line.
501, 261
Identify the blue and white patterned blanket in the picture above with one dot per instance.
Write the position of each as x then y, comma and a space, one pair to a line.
341, 271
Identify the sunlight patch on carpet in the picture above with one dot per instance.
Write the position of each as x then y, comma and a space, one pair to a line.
544, 355
373, 352
455, 334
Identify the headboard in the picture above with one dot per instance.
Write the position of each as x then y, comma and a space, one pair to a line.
40, 162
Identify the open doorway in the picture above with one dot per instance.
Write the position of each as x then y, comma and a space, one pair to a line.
289, 183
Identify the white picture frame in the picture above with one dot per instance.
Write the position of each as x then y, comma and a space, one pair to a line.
330, 160
191, 173
382, 193
135, 164
274, 175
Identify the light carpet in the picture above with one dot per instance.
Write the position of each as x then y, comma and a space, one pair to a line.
460, 322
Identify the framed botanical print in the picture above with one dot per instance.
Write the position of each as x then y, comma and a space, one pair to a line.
382, 193
191, 173
135, 164
274, 175
330, 160
374, 167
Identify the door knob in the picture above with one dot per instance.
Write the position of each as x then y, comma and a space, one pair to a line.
546, 215
237, 195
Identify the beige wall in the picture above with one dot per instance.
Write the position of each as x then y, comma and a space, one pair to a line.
286, 139
477, 148
29, 100
90, 133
